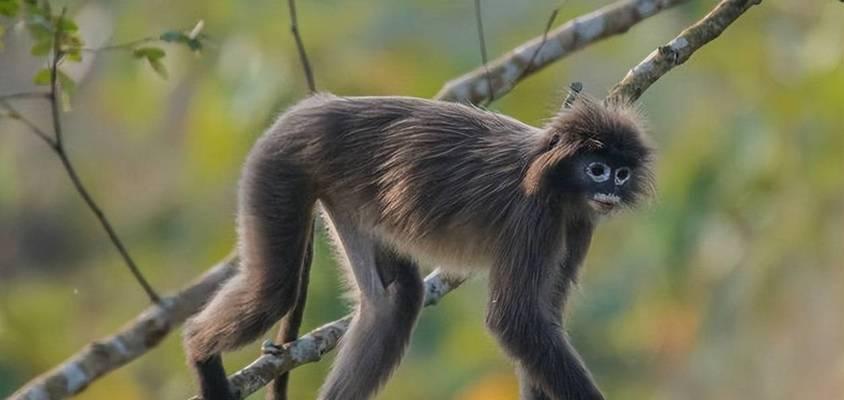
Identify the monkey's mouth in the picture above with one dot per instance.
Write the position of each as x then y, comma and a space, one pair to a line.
604, 202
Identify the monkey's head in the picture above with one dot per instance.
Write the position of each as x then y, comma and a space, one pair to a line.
594, 154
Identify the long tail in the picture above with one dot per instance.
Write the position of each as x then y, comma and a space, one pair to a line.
289, 329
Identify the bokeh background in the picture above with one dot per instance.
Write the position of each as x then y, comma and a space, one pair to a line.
729, 285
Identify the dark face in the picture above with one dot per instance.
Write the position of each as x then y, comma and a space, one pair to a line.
606, 182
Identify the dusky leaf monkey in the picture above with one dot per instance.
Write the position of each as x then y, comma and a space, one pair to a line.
405, 181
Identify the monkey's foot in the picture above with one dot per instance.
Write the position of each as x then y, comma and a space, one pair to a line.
268, 347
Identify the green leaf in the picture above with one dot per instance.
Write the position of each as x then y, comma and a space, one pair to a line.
151, 53
194, 44
158, 67
39, 27
42, 77
41, 47
74, 55
174, 37
9, 8
65, 98
67, 25
68, 85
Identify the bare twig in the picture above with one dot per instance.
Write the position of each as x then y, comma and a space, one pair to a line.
123, 46
678, 50
300, 46
25, 95
479, 21
56, 143
55, 384
580, 32
55, 93
529, 66
14, 114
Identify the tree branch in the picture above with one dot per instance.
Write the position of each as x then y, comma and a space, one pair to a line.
532, 56
157, 321
678, 50
312, 346
136, 338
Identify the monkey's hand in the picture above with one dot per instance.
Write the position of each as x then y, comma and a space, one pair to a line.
268, 347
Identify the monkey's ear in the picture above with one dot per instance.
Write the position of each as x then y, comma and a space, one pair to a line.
538, 171
574, 89
553, 141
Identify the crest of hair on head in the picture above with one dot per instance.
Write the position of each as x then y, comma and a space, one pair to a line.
614, 127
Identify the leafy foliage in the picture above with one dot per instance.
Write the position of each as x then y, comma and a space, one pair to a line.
57, 35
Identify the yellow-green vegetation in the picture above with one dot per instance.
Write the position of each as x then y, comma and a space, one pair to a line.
730, 284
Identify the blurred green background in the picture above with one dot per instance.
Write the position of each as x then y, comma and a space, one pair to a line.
729, 285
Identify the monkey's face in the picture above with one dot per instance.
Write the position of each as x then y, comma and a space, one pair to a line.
605, 182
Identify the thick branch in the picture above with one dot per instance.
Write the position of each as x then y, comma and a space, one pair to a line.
508, 70
680, 49
135, 339
312, 346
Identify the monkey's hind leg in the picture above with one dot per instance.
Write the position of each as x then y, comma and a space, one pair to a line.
274, 218
391, 294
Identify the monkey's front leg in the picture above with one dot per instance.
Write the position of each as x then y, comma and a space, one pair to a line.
524, 323
578, 239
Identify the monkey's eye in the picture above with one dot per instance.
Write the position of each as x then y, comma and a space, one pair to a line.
598, 171
622, 175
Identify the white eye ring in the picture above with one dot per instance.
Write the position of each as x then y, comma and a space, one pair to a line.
598, 171
622, 175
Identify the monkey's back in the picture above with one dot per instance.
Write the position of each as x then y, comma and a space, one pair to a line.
416, 170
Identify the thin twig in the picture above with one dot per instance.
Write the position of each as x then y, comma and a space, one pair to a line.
54, 83
16, 115
529, 66
479, 21
303, 56
122, 46
55, 94
25, 95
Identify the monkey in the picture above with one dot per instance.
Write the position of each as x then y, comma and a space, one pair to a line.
403, 182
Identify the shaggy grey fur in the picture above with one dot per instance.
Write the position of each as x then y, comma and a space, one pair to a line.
406, 181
